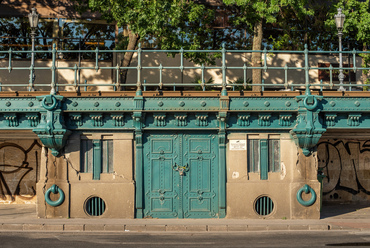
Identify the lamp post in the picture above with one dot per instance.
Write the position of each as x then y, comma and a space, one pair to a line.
34, 21
339, 21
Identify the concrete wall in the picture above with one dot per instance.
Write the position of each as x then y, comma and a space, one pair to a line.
19, 167
244, 188
345, 161
152, 76
116, 189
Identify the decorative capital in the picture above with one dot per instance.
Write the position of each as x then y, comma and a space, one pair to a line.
159, 119
264, 120
51, 128
201, 120
243, 120
180, 119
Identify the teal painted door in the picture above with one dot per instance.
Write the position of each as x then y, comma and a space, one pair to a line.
181, 175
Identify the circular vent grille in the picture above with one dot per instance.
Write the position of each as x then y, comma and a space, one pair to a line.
95, 206
264, 205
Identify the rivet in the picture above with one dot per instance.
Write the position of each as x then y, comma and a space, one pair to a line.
96, 104
267, 103
246, 104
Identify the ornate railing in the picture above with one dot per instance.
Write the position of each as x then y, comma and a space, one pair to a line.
305, 82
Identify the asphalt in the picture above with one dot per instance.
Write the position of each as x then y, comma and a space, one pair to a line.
349, 217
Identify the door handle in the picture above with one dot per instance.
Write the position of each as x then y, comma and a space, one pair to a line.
181, 169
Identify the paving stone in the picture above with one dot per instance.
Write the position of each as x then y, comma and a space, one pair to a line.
94, 227
196, 228
135, 228
73, 227
33, 227
55, 227
114, 228
155, 228
257, 227
298, 227
12, 227
237, 228
175, 228
319, 227
217, 228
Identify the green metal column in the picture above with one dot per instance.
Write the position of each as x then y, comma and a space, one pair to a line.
139, 176
96, 159
264, 155
222, 159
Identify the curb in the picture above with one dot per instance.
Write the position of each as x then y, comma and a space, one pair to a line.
162, 228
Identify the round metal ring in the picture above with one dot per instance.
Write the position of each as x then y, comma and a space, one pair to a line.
54, 189
307, 189
310, 107
53, 104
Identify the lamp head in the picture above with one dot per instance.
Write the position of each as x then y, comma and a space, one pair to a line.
339, 19
33, 17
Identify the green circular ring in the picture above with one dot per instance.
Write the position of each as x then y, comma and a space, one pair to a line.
54, 189
310, 107
52, 106
307, 189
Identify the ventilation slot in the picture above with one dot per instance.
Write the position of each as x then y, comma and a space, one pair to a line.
95, 206
264, 205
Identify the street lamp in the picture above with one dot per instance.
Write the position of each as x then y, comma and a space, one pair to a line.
34, 21
339, 21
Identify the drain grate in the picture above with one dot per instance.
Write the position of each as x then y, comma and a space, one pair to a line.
95, 206
264, 205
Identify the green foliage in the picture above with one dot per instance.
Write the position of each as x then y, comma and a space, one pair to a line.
169, 24
356, 26
198, 80
238, 84
357, 20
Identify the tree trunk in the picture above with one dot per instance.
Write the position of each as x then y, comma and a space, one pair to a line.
256, 57
126, 61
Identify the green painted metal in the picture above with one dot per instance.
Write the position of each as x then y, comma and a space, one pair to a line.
139, 67
181, 178
264, 155
95, 206
307, 116
308, 129
264, 206
55, 190
97, 159
307, 190
51, 129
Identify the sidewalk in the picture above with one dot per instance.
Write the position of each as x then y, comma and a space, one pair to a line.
337, 217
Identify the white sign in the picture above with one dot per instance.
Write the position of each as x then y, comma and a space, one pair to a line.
238, 145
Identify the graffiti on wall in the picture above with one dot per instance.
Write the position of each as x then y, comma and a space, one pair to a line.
346, 165
18, 170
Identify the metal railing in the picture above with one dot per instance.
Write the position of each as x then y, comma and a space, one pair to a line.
224, 85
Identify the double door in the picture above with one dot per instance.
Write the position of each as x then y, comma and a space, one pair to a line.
180, 175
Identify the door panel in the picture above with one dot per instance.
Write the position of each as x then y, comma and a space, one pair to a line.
180, 176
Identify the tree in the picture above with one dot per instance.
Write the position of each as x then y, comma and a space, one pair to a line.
259, 12
356, 25
170, 24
